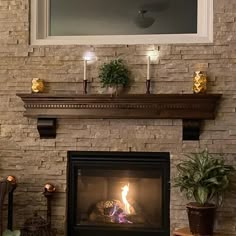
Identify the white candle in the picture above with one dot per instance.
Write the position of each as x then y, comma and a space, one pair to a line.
148, 68
85, 69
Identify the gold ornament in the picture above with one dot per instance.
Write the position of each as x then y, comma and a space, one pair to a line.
49, 188
37, 85
199, 82
11, 179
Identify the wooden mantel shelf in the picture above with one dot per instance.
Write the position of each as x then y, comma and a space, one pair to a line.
132, 106
161, 106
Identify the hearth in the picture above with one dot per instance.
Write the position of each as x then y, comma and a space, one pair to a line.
114, 193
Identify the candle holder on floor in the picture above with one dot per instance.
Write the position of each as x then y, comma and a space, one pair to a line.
37, 225
12, 180
49, 190
7, 186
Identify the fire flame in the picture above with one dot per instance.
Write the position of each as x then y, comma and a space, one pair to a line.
124, 194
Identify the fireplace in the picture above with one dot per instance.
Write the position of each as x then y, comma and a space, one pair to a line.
114, 193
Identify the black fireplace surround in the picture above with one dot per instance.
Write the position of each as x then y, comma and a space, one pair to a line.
118, 193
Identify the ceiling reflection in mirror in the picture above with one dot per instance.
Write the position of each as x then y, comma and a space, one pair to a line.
122, 17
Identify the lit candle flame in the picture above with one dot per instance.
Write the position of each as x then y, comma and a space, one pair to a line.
124, 198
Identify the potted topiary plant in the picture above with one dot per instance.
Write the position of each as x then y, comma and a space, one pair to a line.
204, 178
114, 75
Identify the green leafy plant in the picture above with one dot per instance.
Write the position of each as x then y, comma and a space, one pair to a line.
11, 233
204, 177
114, 73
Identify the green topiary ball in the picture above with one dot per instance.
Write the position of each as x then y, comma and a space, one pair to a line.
114, 73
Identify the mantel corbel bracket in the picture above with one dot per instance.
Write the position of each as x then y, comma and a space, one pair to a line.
191, 129
47, 127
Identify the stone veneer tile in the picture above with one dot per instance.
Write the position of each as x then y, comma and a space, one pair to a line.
36, 161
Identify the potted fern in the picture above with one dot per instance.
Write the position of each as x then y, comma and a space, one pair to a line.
204, 178
114, 75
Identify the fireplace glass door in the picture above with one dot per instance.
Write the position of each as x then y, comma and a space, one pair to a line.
118, 191
126, 197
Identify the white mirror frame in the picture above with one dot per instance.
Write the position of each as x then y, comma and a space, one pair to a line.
39, 30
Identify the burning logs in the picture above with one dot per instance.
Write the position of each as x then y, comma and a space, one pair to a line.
113, 211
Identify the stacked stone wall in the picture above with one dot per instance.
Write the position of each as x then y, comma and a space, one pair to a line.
35, 161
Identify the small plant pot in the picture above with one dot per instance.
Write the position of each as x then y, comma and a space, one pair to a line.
115, 90
201, 219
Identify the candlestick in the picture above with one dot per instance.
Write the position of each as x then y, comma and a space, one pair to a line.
148, 84
12, 180
85, 69
148, 68
85, 85
49, 190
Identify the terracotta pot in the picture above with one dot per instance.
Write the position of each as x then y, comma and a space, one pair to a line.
201, 219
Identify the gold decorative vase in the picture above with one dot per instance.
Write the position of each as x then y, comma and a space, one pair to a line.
37, 85
199, 82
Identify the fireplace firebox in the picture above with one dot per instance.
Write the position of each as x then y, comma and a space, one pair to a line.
114, 193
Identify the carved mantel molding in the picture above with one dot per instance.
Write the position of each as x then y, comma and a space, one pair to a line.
163, 106
133, 106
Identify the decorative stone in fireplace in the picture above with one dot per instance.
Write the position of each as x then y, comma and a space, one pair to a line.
110, 193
